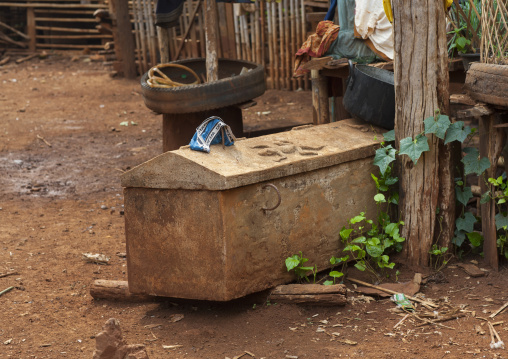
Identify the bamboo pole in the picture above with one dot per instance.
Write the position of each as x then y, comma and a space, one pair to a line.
252, 36
281, 40
151, 28
201, 25
238, 41
298, 29
287, 51
164, 44
271, 68
142, 37
263, 31
294, 42
137, 40
276, 50
230, 30
245, 30
302, 40
193, 38
257, 32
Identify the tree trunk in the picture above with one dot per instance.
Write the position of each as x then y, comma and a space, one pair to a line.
421, 86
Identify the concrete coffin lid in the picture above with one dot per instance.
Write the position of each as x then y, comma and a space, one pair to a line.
258, 159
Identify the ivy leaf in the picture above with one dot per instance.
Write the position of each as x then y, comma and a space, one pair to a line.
292, 262
328, 282
344, 233
380, 198
457, 132
384, 156
466, 223
414, 148
389, 136
475, 238
463, 196
459, 238
335, 274
472, 163
360, 266
437, 125
485, 197
501, 221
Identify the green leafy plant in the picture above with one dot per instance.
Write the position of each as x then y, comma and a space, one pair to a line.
296, 263
439, 257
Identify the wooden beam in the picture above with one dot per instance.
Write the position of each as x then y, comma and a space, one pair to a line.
30, 28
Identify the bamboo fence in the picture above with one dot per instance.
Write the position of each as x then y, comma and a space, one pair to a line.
494, 43
268, 33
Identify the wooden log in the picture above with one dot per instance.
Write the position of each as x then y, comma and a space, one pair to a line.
116, 290
488, 83
124, 42
315, 294
164, 41
212, 61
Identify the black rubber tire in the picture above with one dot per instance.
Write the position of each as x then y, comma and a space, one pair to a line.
228, 90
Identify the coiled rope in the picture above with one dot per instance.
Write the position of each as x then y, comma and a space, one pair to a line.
163, 81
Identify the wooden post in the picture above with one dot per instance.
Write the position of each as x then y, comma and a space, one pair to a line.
212, 61
163, 37
421, 87
490, 143
122, 34
320, 103
30, 24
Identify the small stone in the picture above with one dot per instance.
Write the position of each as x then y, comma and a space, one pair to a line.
104, 207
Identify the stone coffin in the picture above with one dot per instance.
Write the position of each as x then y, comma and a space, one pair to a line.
195, 224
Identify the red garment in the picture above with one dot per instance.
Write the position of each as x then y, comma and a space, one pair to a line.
316, 45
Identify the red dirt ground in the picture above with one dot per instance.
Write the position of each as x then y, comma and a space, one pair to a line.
59, 201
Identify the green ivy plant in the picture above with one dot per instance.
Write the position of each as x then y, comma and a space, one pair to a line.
296, 263
440, 126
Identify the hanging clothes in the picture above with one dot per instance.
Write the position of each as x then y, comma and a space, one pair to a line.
316, 45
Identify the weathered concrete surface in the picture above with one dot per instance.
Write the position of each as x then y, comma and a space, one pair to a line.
220, 245
257, 159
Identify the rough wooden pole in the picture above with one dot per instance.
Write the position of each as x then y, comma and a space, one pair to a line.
163, 37
122, 34
30, 23
212, 61
421, 86
320, 103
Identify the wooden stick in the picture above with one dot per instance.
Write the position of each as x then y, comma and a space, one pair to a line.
400, 321
431, 322
5, 60
8, 274
6, 290
196, 8
294, 41
430, 304
287, 47
26, 37
503, 307
257, 34
444, 319
11, 41
43, 140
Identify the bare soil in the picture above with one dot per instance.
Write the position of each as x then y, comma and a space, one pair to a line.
63, 146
